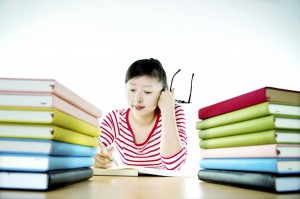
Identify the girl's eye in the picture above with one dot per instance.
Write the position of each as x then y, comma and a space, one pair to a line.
132, 90
148, 92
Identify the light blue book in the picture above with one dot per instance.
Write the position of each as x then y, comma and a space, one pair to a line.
41, 163
44, 147
267, 165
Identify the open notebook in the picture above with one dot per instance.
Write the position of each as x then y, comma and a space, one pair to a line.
134, 171
125, 170
119, 169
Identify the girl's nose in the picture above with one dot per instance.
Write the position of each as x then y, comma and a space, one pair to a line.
138, 98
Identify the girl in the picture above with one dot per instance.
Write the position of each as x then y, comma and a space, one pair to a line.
151, 132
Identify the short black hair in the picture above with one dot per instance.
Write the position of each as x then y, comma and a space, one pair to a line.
149, 67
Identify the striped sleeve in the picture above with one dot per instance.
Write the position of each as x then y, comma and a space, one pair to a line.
109, 127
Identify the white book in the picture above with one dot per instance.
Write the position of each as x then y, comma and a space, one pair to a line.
136, 171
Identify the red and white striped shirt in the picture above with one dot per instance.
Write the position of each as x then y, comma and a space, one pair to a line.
115, 128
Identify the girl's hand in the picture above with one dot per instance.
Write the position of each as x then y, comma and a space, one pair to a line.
104, 159
166, 100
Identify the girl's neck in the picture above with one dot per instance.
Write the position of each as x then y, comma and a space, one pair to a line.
144, 120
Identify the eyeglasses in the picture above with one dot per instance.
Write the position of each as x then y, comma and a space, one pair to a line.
182, 101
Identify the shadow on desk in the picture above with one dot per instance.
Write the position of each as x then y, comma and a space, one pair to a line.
145, 187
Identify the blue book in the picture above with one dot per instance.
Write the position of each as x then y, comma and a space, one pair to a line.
44, 147
41, 163
267, 165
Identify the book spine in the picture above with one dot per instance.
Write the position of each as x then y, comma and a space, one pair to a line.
259, 138
268, 165
72, 123
244, 179
58, 178
249, 126
76, 100
65, 135
65, 162
74, 111
248, 113
232, 104
255, 151
68, 149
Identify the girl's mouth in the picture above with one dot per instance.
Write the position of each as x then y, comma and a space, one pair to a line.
138, 107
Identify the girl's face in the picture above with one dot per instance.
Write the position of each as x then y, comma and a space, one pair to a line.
143, 94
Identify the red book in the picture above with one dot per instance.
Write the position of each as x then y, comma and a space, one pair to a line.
266, 94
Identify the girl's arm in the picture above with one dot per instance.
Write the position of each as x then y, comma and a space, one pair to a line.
173, 138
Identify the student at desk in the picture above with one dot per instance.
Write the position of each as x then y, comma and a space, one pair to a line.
151, 132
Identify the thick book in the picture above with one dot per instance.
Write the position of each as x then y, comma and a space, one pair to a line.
47, 116
250, 126
44, 147
266, 94
265, 165
251, 180
49, 86
46, 132
252, 112
42, 163
256, 151
41, 100
43, 181
136, 171
249, 139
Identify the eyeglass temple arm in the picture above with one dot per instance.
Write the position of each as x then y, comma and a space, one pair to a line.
191, 88
173, 78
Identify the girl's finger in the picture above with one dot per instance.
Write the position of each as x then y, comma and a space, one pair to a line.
105, 154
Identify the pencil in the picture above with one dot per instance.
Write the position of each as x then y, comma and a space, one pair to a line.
102, 146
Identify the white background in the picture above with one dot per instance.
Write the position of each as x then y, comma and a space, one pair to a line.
233, 47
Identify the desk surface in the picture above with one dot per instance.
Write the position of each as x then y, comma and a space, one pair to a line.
112, 187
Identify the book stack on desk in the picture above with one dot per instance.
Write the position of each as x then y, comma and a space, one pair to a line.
252, 140
48, 135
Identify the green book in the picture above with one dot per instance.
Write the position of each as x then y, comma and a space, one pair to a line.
258, 138
252, 112
251, 126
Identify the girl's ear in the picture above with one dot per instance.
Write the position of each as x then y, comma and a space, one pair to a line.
172, 91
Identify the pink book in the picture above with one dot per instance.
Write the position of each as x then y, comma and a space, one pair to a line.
261, 95
255, 151
39, 101
49, 86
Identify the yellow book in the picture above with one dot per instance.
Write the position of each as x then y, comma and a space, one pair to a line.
47, 132
46, 116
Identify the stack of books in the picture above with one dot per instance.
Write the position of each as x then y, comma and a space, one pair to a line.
252, 140
48, 135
